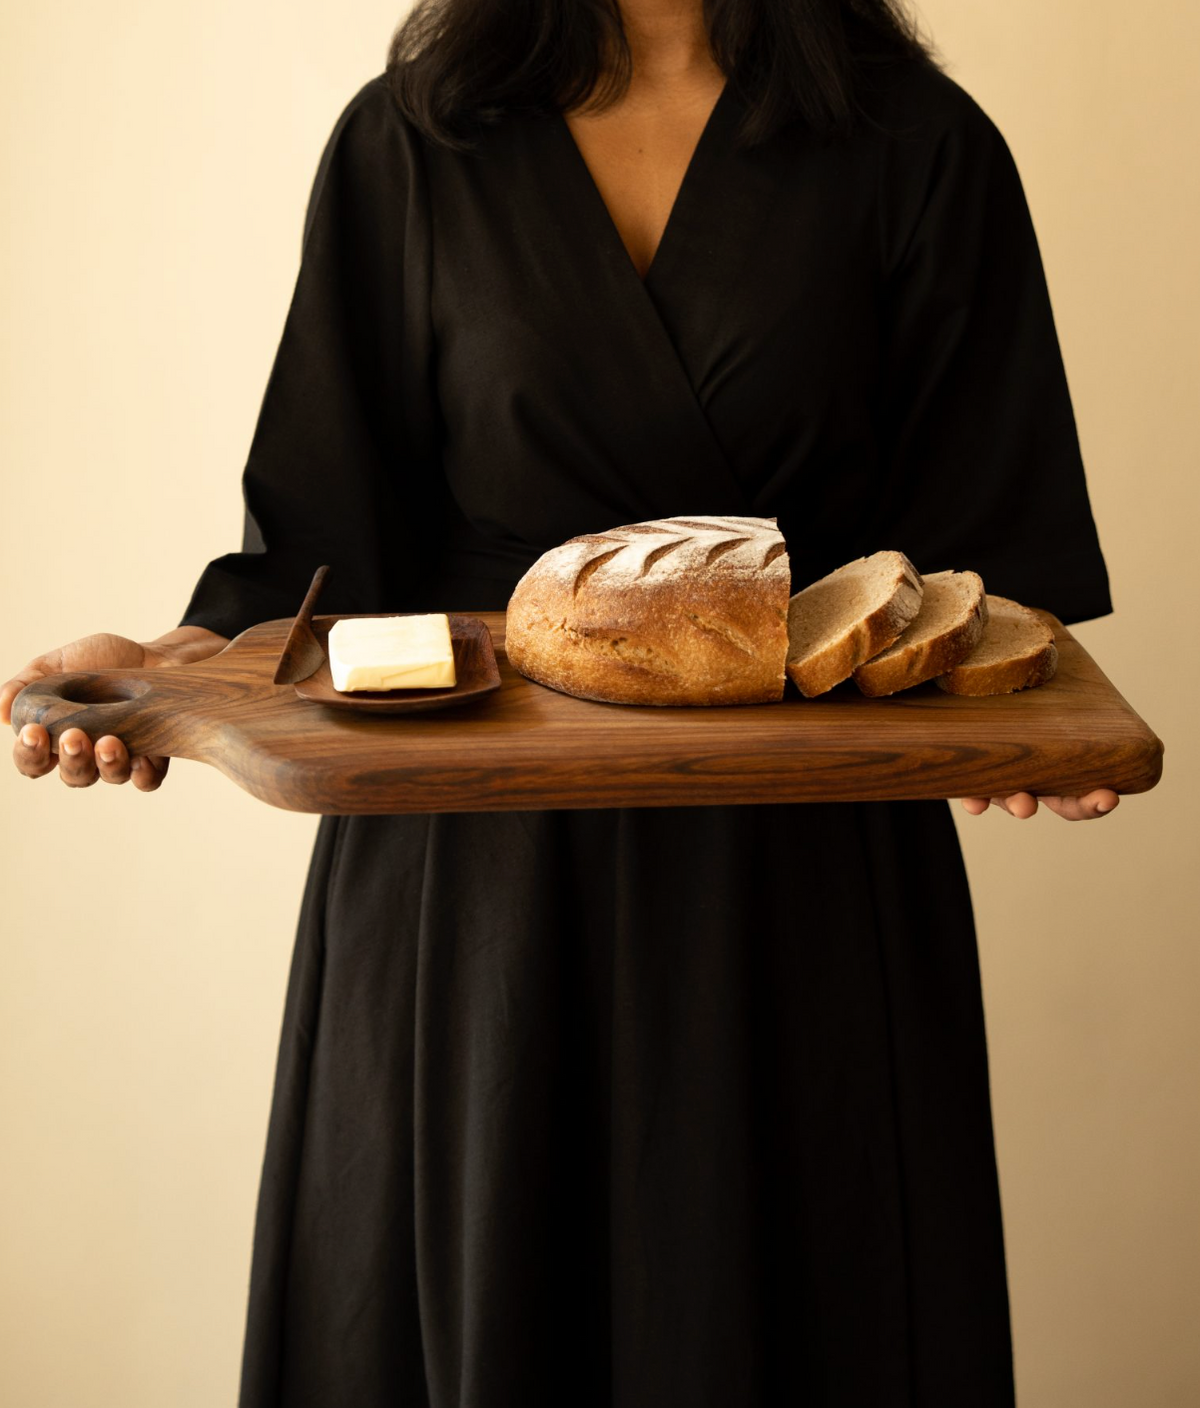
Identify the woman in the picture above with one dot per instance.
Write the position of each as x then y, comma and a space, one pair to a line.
661, 1105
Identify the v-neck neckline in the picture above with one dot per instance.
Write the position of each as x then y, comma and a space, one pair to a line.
676, 216
722, 201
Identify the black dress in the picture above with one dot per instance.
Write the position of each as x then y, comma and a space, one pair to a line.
651, 1106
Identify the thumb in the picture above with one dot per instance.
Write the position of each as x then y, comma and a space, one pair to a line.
38, 668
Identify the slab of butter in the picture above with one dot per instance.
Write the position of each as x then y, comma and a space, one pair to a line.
391, 652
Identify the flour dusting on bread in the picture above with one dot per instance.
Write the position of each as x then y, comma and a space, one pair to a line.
687, 610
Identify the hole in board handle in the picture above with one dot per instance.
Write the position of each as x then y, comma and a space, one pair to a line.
95, 689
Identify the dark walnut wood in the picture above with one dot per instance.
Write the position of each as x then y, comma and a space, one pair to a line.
527, 747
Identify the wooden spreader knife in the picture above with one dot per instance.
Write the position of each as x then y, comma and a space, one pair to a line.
303, 654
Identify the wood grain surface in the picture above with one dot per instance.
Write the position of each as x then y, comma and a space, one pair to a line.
527, 747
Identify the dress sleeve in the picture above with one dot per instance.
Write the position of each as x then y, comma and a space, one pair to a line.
333, 475
982, 465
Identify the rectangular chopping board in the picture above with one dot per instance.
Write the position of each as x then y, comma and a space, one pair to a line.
526, 747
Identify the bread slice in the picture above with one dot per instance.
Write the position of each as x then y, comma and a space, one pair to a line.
847, 617
1016, 651
670, 611
948, 627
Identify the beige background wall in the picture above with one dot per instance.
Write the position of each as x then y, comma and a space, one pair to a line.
156, 157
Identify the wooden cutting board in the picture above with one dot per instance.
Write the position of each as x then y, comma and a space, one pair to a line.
526, 747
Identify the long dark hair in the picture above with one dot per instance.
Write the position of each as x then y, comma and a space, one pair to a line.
454, 65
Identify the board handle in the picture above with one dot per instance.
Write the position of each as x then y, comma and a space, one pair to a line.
97, 701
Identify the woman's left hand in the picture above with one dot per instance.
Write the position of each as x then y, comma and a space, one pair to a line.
1098, 802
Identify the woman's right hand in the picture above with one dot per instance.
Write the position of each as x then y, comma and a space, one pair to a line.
82, 761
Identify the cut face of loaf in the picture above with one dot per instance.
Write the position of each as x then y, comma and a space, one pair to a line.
947, 628
850, 615
1016, 651
671, 611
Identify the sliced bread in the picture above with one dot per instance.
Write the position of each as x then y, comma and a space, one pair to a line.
1016, 651
847, 617
948, 627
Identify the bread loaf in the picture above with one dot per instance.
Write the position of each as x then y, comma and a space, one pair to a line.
697, 611
670, 611
847, 617
1015, 651
947, 627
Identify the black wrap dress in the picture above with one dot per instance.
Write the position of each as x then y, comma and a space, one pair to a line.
652, 1106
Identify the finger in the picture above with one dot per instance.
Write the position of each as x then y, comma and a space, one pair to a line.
148, 772
76, 763
1102, 801
1066, 807
11, 688
1022, 805
31, 751
976, 805
112, 759
8, 692
1085, 808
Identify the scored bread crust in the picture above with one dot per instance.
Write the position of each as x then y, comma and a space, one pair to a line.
902, 666
836, 658
1033, 663
670, 611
